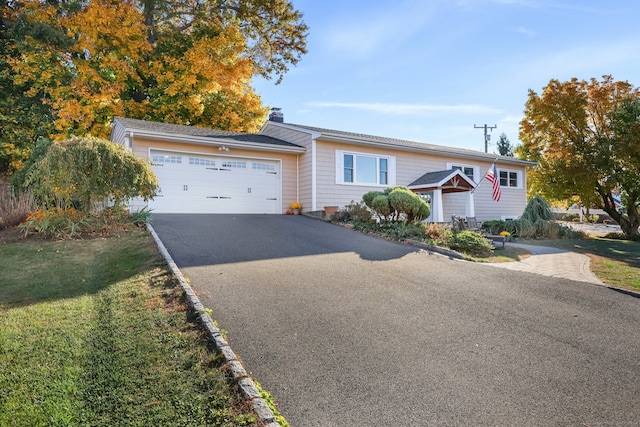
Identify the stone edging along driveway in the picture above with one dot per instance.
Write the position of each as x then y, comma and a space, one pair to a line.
238, 373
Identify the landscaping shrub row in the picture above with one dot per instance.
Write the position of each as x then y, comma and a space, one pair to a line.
536, 222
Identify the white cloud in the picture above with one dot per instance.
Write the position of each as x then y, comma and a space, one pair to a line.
526, 31
409, 109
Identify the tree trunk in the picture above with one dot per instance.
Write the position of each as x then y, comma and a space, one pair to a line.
629, 223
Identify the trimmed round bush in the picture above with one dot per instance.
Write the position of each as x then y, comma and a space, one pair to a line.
472, 243
397, 204
381, 206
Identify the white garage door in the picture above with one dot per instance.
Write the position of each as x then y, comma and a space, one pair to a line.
192, 183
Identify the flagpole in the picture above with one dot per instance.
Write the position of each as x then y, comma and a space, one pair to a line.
485, 175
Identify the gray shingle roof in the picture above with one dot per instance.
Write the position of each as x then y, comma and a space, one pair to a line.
168, 128
431, 178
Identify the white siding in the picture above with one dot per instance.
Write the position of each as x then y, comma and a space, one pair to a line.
409, 167
302, 139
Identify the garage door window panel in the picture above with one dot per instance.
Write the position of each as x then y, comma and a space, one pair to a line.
198, 161
160, 159
234, 164
263, 167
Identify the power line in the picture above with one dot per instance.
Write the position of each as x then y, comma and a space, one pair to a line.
487, 137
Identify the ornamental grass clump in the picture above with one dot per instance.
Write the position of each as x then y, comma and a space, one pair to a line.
15, 206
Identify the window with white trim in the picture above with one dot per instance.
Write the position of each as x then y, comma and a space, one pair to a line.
472, 172
509, 178
364, 169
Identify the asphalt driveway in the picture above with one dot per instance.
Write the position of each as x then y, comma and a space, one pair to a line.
348, 330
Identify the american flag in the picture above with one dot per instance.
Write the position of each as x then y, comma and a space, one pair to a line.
493, 178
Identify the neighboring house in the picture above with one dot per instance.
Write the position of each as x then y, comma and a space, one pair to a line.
209, 171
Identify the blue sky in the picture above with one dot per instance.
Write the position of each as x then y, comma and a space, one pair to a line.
430, 70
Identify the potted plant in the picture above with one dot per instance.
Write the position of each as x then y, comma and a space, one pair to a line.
295, 207
330, 210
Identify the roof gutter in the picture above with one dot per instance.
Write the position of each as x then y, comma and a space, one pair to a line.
462, 154
214, 141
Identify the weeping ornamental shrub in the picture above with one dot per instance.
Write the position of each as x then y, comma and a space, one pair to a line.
537, 221
397, 204
87, 171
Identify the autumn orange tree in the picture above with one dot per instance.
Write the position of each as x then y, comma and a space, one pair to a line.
74, 65
586, 139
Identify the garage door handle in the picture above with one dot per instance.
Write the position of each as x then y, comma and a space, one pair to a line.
213, 197
212, 169
225, 197
273, 173
272, 198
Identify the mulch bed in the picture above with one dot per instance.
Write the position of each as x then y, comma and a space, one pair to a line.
11, 234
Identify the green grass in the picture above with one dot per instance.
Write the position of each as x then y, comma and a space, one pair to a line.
506, 254
615, 262
95, 333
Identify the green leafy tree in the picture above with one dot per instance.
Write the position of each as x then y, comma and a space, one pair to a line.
625, 167
584, 135
23, 116
89, 171
504, 146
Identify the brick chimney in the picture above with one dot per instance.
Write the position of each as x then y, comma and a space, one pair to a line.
276, 115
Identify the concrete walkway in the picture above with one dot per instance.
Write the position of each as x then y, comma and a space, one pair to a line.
560, 262
552, 262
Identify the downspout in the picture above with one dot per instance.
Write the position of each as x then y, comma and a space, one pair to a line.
298, 177
314, 202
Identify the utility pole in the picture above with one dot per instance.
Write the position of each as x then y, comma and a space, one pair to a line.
487, 137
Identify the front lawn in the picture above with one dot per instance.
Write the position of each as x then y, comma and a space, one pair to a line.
96, 333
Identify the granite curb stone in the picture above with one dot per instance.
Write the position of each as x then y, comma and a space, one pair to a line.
437, 249
239, 374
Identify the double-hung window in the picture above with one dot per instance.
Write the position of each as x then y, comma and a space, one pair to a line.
364, 169
466, 170
470, 171
508, 179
